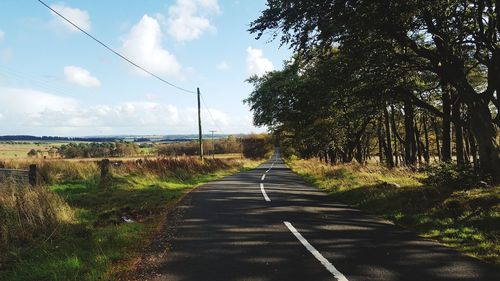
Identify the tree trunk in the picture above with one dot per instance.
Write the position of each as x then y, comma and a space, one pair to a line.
382, 148
437, 134
427, 155
388, 156
420, 145
485, 134
410, 143
459, 142
358, 155
397, 138
473, 150
446, 145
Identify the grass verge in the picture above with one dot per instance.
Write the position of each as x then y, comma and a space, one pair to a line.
466, 219
93, 242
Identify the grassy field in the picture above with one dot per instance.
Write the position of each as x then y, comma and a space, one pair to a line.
467, 219
93, 241
19, 150
12, 150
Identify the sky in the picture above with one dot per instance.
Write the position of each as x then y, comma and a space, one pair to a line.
56, 81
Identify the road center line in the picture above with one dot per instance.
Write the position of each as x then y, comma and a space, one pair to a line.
339, 276
272, 165
263, 177
264, 192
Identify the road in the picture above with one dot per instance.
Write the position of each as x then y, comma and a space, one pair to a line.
268, 224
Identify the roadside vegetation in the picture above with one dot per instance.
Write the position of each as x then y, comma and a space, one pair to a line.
396, 103
443, 203
75, 226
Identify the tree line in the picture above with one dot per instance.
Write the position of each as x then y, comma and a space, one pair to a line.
252, 146
407, 81
230, 144
98, 150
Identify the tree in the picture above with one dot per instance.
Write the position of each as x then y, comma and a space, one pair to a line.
32, 153
454, 40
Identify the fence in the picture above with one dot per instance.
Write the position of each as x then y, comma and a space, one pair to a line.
19, 176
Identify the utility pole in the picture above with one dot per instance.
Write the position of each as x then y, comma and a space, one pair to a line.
213, 145
200, 137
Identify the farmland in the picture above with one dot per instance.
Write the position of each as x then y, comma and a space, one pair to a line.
13, 150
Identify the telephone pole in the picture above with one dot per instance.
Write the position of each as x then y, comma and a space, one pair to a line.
200, 137
213, 144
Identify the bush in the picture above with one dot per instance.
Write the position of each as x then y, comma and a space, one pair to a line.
451, 175
257, 146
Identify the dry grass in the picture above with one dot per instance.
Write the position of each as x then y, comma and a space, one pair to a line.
29, 213
464, 217
75, 231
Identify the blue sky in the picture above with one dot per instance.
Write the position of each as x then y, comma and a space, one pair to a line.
56, 81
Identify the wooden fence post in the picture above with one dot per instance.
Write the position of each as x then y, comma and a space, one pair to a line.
105, 174
32, 175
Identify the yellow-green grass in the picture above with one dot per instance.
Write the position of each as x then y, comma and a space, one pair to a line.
19, 150
466, 219
97, 244
10, 150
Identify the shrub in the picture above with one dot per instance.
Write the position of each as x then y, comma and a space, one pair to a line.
451, 175
257, 146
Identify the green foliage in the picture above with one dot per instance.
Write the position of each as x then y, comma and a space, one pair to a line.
94, 149
257, 146
387, 52
32, 153
451, 175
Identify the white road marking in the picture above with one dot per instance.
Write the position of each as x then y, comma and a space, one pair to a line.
339, 276
263, 177
272, 165
264, 193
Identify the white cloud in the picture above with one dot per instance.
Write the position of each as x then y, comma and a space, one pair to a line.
257, 64
223, 65
26, 106
2, 35
79, 17
189, 19
49, 114
143, 46
80, 76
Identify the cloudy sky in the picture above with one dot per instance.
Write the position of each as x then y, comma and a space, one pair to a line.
56, 81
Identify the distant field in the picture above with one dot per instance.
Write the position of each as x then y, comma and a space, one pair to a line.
9, 150
20, 149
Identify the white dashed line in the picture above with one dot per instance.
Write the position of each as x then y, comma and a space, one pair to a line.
272, 165
263, 177
339, 276
264, 193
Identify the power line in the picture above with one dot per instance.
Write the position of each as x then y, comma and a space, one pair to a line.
211, 116
115, 52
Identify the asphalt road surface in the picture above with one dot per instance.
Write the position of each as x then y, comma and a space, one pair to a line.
268, 224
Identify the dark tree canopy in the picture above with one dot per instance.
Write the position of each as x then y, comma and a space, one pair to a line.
436, 56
